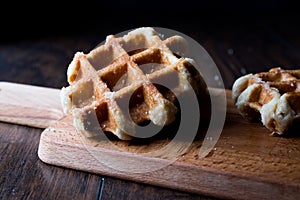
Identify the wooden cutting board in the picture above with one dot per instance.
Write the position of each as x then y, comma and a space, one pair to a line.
246, 162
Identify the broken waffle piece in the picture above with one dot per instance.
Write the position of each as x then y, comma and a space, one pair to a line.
271, 97
126, 82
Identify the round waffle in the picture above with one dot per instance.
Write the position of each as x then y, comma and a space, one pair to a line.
137, 70
272, 97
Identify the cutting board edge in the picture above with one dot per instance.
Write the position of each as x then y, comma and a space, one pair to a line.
210, 183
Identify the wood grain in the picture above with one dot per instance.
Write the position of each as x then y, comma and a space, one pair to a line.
245, 155
24, 176
118, 189
246, 163
29, 105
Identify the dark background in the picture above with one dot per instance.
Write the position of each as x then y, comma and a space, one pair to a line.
26, 19
41, 38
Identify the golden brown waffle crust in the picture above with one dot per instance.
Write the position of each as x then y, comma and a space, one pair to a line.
102, 79
272, 97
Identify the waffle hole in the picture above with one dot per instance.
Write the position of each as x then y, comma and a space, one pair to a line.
136, 51
177, 55
102, 115
168, 94
138, 109
153, 56
266, 77
284, 86
139, 113
117, 78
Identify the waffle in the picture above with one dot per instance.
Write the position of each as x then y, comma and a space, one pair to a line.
128, 71
271, 97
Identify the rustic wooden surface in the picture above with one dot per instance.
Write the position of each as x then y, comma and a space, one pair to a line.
42, 61
244, 154
29, 105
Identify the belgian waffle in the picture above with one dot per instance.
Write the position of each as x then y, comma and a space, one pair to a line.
272, 97
128, 71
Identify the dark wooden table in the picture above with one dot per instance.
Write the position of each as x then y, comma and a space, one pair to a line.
237, 50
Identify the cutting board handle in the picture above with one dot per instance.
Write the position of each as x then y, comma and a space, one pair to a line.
29, 105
